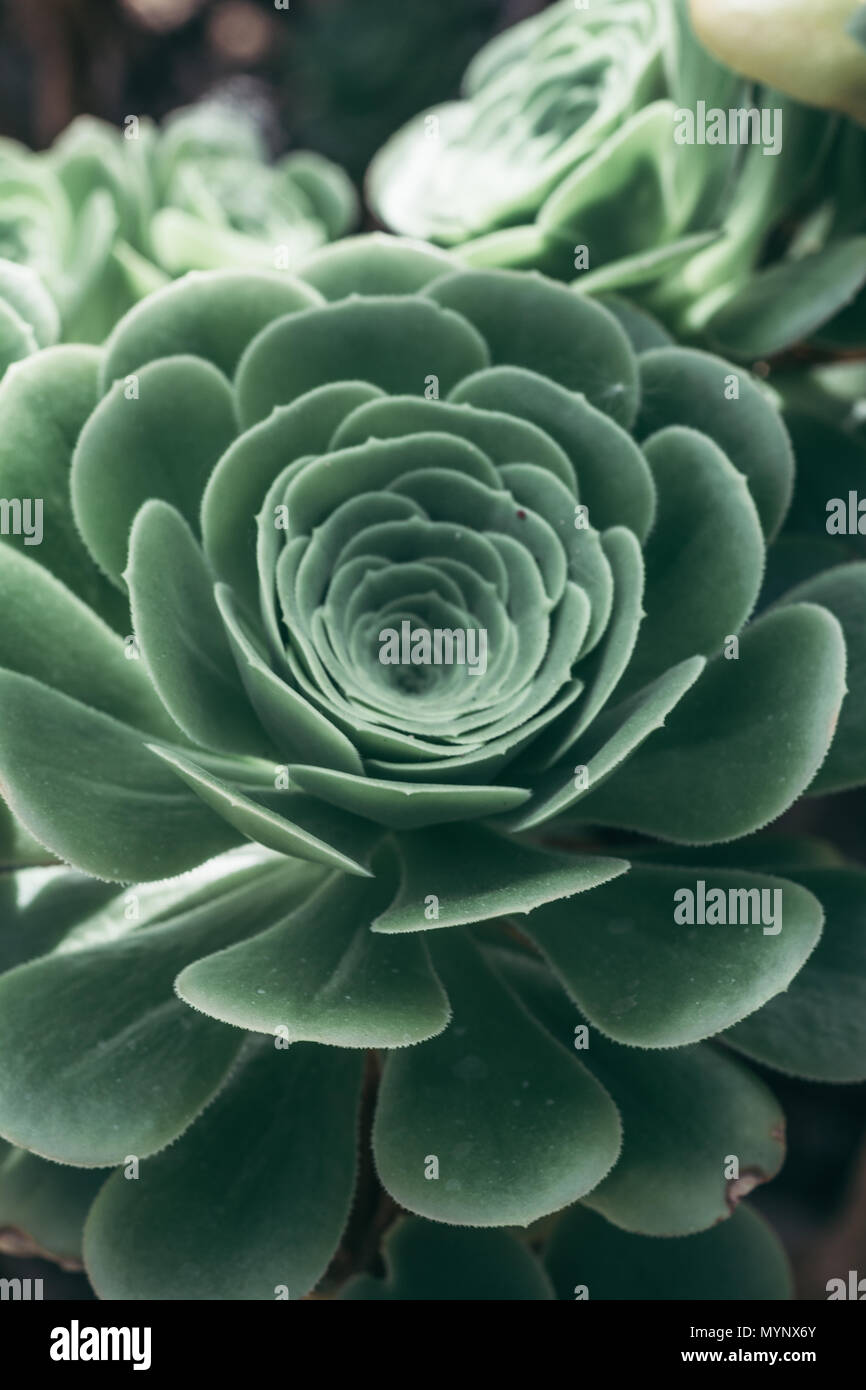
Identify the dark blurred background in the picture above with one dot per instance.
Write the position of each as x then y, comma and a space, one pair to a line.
339, 76
334, 75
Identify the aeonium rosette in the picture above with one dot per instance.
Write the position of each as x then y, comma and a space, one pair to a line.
280, 515
604, 145
107, 214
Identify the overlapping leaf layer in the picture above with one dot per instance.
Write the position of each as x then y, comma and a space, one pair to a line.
432, 864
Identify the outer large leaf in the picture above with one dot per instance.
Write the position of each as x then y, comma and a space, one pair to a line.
206, 314
45, 1203
132, 820
44, 403
683, 387
393, 342
531, 322
517, 1125
648, 980
48, 633
322, 976
817, 1027
686, 1113
252, 1202
101, 1058
733, 756
704, 559
161, 442
739, 1260
475, 875
429, 1263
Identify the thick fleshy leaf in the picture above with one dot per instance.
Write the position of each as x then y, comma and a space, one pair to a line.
473, 875
647, 977
394, 342
614, 480
17, 339
322, 976
161, 443
817, 1028
48, 633
739, 1260
429, 1263
102, 1059
181, 637
515, 248
704, 558
238, 484
609, 742
842, 590
45, 1204
643, 268
681, 386
528, 321
642, 330
134, 820
248, 797
44, 403
517, 1126
209, 314
501, 435
296, 726
329, 190
252, 1203
406, 806
686, 1114
373, 264
607, 664
22, 291
780, 306
733, 757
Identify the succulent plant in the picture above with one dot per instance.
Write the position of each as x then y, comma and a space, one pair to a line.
433, 899
28, 315
106, 216
605, 146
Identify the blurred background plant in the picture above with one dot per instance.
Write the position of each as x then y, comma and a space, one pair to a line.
567, 152
339, 77
814, 52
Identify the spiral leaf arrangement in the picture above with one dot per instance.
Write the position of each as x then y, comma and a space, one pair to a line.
438, 894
